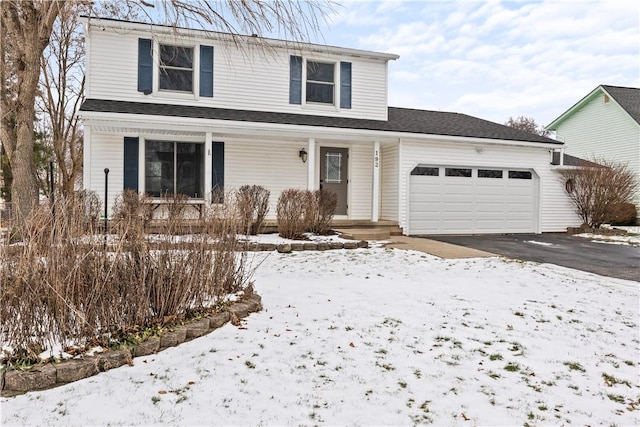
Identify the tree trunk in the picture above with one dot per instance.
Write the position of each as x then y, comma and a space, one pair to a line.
28, 26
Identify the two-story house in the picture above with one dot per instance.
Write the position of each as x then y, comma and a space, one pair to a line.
605, 124
196, 112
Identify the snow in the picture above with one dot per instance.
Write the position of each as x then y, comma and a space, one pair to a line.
534, 242
384, 337
629, 240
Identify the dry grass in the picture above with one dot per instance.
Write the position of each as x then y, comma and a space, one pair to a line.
65, 284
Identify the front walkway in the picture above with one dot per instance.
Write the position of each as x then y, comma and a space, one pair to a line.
439, 249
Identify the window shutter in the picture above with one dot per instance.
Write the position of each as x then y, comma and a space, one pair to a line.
206, 71
131, 163
345, 85
145, 66
295, 80
217, 172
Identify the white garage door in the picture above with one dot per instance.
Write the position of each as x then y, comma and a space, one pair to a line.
461, 200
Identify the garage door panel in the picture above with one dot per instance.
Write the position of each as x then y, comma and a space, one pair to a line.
457, 205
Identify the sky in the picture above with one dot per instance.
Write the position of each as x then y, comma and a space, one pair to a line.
495, 59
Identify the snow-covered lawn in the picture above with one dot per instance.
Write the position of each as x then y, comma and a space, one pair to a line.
385, 337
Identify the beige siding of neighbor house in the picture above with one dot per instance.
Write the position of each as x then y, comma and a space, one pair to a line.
244, 78
389, 183
602, 129
555, 212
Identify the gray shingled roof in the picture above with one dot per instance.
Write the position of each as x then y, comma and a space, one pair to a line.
399, 120
628, 98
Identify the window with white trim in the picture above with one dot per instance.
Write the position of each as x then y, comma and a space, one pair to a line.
321, 82
176, 68
173, 167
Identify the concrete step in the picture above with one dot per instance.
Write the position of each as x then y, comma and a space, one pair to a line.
364, 233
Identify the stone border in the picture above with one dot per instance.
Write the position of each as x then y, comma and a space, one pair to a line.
44, 376
285, 248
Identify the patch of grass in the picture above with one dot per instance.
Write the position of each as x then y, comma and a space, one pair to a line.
493, 375
381, 351
629, 362
417, 373
386, 366
519, 313
542, 408
574, 366
250, 364
402, 384
616, 397
512, 367
531, 415
155, 399
610, 380
495, 356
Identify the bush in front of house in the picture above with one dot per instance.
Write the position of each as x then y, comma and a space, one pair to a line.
63, 286
599, 188
253, 205
131, 215
295, 213
325, 208
623, 214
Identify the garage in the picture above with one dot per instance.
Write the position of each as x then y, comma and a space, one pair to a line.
472, 200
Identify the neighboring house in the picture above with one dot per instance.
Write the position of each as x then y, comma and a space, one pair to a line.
605, 124
192, 111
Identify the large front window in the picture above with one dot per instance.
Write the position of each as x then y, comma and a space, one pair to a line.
320, 82
174, 168
176, 68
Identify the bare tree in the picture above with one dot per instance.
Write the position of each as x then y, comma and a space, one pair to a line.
598, 189
62, 84
26, 27
527, 124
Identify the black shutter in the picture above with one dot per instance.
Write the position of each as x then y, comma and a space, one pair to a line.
217, 172
295, 80
130, 163
206, 71
145, 66
345, 85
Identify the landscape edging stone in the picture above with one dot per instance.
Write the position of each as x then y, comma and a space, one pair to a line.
44, 376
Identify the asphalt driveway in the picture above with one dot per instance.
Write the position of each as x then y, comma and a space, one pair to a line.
606, 259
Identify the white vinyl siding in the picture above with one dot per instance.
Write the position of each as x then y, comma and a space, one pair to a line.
389, 183
360, 181
273, 165
244, 78
107, 151
554, 213
603, 130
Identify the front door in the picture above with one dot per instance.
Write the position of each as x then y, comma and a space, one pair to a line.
333, 174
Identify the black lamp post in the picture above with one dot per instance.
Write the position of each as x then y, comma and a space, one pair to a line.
106, 188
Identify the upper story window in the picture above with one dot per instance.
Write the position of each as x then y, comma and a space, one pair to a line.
320, 82
176, 68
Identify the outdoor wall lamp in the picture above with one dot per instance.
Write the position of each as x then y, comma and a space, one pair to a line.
303, 155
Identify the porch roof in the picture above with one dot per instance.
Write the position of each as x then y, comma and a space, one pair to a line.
399, 120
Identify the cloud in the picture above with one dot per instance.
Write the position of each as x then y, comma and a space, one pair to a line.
498, 59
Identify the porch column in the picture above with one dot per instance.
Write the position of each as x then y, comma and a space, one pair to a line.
375, 199
208, 165
311, 165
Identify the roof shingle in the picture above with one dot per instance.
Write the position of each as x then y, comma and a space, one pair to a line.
399, 120
627, 97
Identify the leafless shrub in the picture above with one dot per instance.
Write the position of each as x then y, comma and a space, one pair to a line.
623, 214
131, 215
60, 288
293, 212
326, 202
176, 206
253, 204
596, 190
